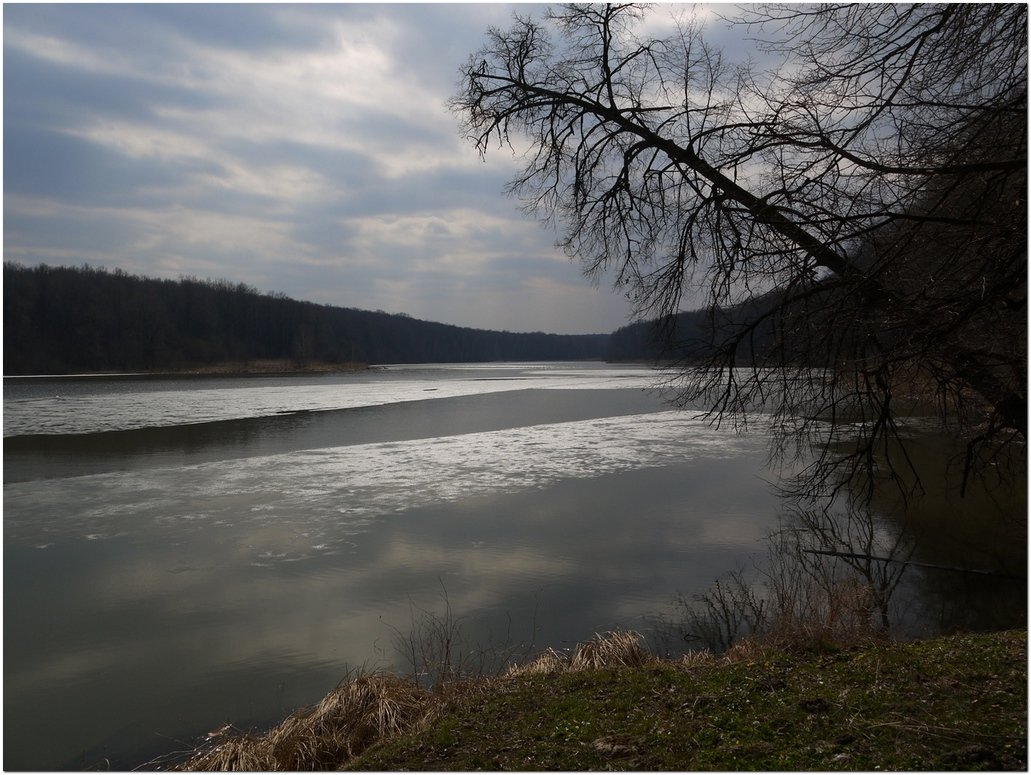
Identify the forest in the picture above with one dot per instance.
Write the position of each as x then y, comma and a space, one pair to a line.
61, 320
690, 337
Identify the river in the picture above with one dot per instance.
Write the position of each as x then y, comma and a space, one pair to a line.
182, 553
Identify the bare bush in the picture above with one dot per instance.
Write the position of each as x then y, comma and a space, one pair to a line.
439, 651
827, 578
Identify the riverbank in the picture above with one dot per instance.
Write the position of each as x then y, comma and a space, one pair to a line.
265, 368
268, 367
953, 703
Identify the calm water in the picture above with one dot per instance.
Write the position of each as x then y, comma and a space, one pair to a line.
183, 553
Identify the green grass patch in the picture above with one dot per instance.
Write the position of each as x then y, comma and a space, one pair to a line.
957, 703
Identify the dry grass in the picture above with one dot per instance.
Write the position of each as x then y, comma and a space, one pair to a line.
613, 649
621, 648
546, 663
348, 720
700, 658
367, 709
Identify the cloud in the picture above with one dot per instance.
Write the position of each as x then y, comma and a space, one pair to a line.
298, 148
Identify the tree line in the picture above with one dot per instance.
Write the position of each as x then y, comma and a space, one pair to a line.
81, 319
692, 336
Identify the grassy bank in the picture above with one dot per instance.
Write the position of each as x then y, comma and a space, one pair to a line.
956, 703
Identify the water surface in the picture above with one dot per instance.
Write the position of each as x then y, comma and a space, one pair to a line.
183, 553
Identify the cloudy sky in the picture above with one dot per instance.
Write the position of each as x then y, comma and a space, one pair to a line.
305, 149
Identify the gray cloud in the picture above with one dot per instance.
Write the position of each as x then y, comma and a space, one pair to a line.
298, 148
41, 162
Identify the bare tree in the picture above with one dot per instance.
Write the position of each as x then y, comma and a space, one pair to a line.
867, 198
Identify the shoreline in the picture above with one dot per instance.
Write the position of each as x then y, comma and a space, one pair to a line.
262, 367
610, 704
267, 367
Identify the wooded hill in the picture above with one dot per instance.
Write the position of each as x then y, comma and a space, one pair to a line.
693, 336
66, 320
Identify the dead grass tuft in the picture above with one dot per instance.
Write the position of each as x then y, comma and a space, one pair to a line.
348, 720
621, 648
548, 662
701, 658
370, 708
748, 649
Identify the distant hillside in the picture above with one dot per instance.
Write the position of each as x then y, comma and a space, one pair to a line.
690, 336
652, 340
67, 320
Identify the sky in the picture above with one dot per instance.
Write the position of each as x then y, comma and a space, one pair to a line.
302, 149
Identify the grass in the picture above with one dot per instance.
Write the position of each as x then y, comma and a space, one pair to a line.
355, 714
956, 703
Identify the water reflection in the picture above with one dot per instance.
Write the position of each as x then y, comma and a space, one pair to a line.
935, 554
927, 554
969, 544
191, 633
162, 582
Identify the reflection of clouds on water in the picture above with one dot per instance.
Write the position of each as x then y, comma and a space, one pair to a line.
323, 496
219, 589
238, 599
